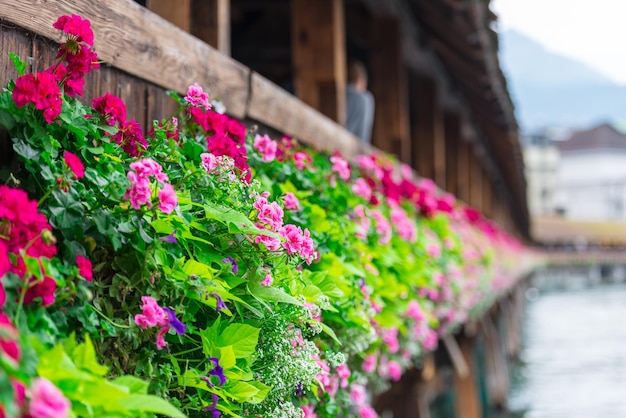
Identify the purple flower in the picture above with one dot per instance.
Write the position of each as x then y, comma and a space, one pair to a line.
219, 302
171, 238
213, 407
217, 371
232, 262
178, 326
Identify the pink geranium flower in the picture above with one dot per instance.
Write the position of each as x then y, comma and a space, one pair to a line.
47, 401
152, 314
291, 201
197, 97
265, 146
167, 199
341, 167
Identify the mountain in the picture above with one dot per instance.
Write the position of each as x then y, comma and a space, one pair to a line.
549, 89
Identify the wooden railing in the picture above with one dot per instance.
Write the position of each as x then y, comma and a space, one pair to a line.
159, 56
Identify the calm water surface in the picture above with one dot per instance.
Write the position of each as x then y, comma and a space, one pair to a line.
574, 356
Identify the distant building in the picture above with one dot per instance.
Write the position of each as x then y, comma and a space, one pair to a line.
541, 162
592, 175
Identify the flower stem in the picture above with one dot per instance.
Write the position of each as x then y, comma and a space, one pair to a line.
109, 320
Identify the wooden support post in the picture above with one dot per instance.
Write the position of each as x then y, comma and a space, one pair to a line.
464, 155
496, 364
453, 138
178, 12
388, 83
428, 147
476, 183
210, 22
467, 394
319, 55
487, 195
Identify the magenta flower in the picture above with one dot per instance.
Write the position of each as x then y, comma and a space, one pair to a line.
197, 97
267, 280
265, 146
47, 401
366, 411
343, 372
362, 188
308, 411
209, 162
293, 238
301, 160
167, 199
75, 26
139, 192
84, 267
74, 164
414, 311
152, 314
147, 167
291, 201
271, 243
394, 370
341, 167
369, 364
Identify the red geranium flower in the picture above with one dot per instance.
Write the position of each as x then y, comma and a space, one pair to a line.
74, 164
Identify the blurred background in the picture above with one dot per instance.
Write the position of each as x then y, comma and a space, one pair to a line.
566, 70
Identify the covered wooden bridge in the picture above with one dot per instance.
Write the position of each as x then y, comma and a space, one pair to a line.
442, 106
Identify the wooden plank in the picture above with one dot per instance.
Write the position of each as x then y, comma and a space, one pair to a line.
466, 390
210, 22
487, 190
159, 106
319, 55
476, 183
423, 125
133, 93
453, 137
463, 170
388, 82
135, 40
273, 106
178, 12
15, 41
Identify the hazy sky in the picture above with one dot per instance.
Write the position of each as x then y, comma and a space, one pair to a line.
592, 31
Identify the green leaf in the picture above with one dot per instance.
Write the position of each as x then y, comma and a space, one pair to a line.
261, 394
134, 385
242, 337
84, 357
7, 120
150, 403
67, 211
26, 151
329, 331
227, 357
236, 222
241, 391
19, 65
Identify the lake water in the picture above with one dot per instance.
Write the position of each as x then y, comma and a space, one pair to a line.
573, 364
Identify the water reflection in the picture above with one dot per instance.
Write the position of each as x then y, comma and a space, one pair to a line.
573, 364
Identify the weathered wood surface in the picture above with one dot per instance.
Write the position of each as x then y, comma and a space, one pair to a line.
141, 43
319, 55
141, 63
268, 103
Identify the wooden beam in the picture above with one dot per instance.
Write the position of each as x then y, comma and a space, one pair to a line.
463, 170
476, 182
178, 12
453, 139
143, 44
466, 390
487, 193
388, 82
319, 57
210, 22
275, 107
428, 131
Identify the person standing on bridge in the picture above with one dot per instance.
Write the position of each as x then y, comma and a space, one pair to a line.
359, 103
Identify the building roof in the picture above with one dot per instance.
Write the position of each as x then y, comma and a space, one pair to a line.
603, 136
